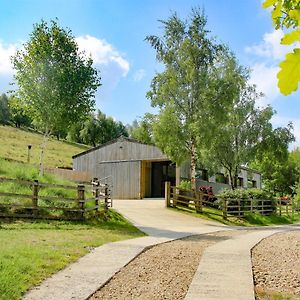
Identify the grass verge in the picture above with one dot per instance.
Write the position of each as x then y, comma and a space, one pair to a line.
262, 294
14, 143
250, 219
31, 251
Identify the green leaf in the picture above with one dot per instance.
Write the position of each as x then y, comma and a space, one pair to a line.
291, 37
268, 3
289, 75
295, 14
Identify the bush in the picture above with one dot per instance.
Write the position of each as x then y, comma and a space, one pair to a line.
185, 185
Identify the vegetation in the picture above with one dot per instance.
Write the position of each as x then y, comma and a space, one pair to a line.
285, 14
194, 89
56, 83
38, 249
250, 219
96, 130
142, 130
14, 146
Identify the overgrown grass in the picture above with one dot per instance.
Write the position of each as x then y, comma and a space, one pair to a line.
31, 251
250, 219
14, 144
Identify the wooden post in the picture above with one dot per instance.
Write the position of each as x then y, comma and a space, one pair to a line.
80, 198
262, 206
35, 194
96, 189
167, 193
251, 205
225, 209
287, 208
106, 197
199, 197
293, 206
174, 197
239, 207
280, 212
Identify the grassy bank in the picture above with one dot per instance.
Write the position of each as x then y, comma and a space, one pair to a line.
250, 219
14, 144
32, 251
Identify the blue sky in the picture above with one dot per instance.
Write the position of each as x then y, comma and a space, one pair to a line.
113, 31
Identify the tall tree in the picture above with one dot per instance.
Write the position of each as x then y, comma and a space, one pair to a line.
193, 90
56, 82
286, 15
4, 109
142, 130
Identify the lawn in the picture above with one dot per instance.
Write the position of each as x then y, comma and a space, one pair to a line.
251, 219
31, 251
14, 144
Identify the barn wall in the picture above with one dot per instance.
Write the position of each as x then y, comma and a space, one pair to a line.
125, 178
118, 151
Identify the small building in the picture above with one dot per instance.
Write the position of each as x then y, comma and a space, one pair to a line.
140, 170
137, 170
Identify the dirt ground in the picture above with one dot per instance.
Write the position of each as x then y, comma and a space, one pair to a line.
276, 266
162, 272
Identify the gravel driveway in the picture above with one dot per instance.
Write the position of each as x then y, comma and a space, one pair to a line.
162, 272
276, 265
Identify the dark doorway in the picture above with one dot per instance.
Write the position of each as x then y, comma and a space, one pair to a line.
161, 172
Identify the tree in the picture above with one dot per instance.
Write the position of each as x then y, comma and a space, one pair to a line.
194, 89
56, 82
18, 114
286, 14
142, 130
279, 168
4, 109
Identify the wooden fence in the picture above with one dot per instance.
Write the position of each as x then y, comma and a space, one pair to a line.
197, 201
53, 201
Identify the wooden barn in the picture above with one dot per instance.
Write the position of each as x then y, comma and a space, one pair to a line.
137, 170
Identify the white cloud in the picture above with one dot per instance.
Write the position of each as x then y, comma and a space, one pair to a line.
139, 75
6, 51
270, 47
265, 58
102, 52
265, 78
283, 121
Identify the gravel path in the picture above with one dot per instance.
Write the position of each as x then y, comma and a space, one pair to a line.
276, 265
162, 272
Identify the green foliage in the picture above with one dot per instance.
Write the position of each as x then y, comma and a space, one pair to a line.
18, 114
142, 130
192, 91
96, 130
286, 14
56, 83
245, 194
279, 171
185, 184
4, 110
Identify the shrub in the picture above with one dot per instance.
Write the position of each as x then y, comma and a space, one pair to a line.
185, 184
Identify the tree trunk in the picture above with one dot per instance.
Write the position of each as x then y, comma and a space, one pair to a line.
193, 165
43, 147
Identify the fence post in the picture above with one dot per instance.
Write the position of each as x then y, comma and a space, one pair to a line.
280, 207
96, 193
239, 207
251, 204
225, 209
80, 198
106, 197
262, 207
198, 202
167, 193
174, 196
35, 194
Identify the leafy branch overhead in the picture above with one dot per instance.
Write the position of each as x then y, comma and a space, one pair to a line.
286, 14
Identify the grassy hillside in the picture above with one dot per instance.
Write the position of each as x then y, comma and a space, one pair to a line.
14, 144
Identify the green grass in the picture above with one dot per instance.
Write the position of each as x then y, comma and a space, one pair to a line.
251, 219
31, 251
14, 144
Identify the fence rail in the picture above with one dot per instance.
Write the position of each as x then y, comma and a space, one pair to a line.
196, 200
34, 202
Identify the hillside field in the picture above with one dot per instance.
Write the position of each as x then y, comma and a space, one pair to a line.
14, 145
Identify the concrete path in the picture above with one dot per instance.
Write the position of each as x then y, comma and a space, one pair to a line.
89, 273
224, 271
